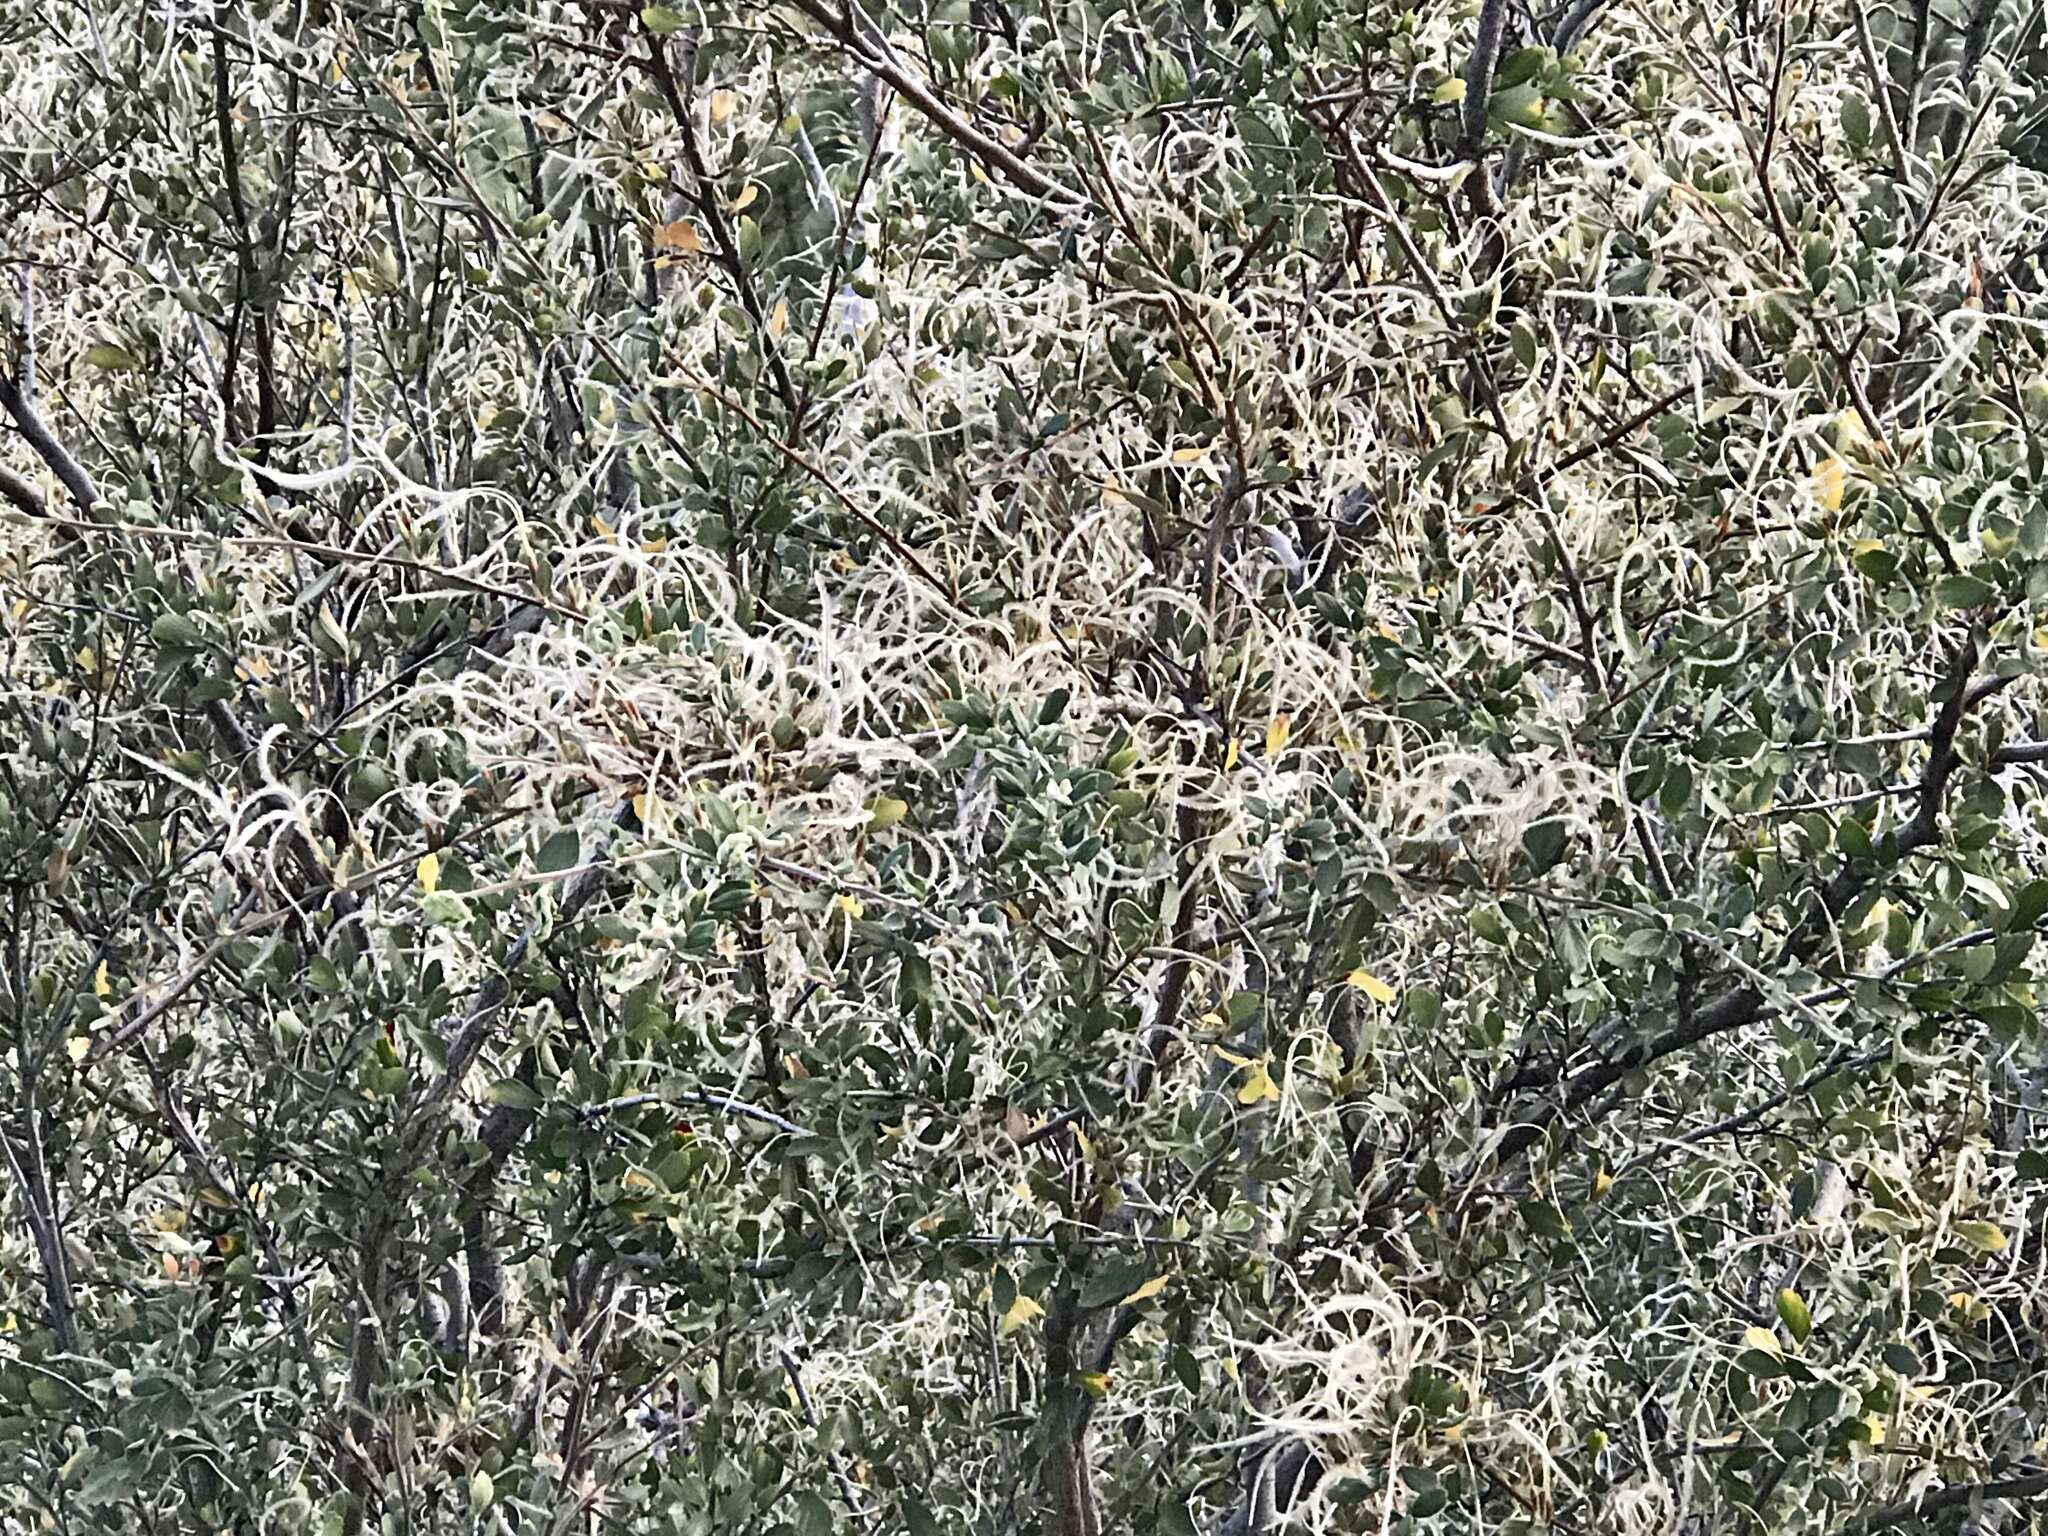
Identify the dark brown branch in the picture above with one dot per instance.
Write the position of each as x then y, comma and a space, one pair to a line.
18, 399
1493, 20
22, 491
1069, 1481
1745, 1004
995, 156
1953, 1496
247, 275
705, 200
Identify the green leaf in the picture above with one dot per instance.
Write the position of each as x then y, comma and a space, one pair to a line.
2029, 906
1963, 591
1856, 119
1760, 1364
1545, 1219
1793, 1312
104, 354
1876, 562
513, 1094
562, 851
813, 1515
919, 1520
1544, 844
1114, 1283
175, 632
1676, 792
661, 20
1853, 838
1900, 1358
1424, 1007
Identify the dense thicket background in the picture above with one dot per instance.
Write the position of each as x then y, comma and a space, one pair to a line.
1023, 766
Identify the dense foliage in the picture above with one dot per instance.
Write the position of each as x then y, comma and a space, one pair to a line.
1052, 766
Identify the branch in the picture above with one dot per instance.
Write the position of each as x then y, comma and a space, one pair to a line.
725, 1104
1493, 20
18, 398
468, 1039
1746, 1004
1949, 1497
1069, 1479
874, 53
721, 230
22, 491
39, 1212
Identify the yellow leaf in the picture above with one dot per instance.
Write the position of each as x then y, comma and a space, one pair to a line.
886, 811
680, 237
722, 102
77, 1046
100, 985
1022, 1311
1094, 1383
1258, 1087
1849, 433
1449, 90
1830, 480
1145, 1292
1603, 1181
633, 1178
1190, 455
1230, 1056
1230, 756
20, 608
1371, 986
1760, 1338
1984, 1236
746, 198
1277, 734
430, 873
778, 319
850, 905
